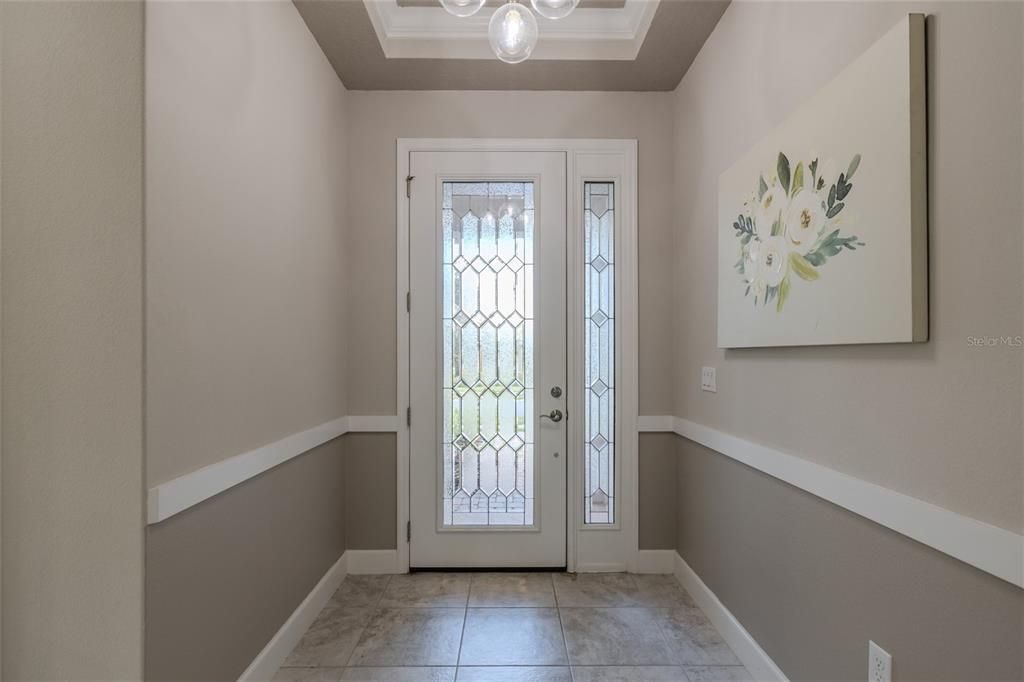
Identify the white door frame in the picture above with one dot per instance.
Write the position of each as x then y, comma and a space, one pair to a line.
588, 548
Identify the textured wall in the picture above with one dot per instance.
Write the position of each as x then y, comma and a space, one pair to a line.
813, 582
245, 178
940, 421
72, 340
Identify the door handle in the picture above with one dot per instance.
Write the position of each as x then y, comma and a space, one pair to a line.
554, 415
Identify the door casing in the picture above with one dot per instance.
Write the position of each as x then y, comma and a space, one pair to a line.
588, 548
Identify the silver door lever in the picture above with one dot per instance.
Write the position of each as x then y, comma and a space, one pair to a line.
554, 415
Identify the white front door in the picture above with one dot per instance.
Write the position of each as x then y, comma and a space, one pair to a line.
487, 357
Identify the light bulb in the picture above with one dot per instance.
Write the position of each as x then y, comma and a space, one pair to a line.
512, 32
462, 8
554, 9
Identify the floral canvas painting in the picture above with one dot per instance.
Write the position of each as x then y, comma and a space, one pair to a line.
822, 225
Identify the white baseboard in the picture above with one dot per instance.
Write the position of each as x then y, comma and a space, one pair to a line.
267, 662
373, 561
746, 648
656, 561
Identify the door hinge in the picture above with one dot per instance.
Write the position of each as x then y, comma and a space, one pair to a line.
408, 531
408, 185
408, 302
408, 416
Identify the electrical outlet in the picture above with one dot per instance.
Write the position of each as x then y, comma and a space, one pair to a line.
707, 380
879, 664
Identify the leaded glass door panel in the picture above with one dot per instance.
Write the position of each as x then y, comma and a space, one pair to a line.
488, 343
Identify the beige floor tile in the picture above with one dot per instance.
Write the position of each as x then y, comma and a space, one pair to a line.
694, 640
512, 636
718, 673
394, 674
628, 673
514, 674
595, 589
308, 675
615, 636
360, 590
511, 589
410, 637
330, 639
426, 589
661, 591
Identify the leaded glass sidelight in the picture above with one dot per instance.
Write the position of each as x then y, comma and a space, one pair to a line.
487, 329
599, 352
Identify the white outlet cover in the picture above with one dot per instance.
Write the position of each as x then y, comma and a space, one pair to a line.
708, 382
879, 664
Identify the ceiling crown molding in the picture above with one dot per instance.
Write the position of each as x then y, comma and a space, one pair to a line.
586, 34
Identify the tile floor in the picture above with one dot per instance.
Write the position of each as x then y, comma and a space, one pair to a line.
498, 627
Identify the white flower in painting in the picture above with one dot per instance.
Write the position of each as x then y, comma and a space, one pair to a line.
769, 206
773, 260
751, 263
804, 219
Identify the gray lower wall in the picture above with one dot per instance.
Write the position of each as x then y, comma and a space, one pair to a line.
812, 582
370, 471
223, 576
371, 508
657, 485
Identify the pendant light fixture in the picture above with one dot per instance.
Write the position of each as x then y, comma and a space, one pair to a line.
513, 32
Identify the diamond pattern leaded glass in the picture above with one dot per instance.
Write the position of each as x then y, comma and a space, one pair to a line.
487, 325
599, 352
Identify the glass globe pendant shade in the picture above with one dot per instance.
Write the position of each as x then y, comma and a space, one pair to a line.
462, 8
554, 9
512, 32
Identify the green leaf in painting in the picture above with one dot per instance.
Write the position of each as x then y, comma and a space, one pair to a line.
854, 163
783, 168
777, 227
798, 178
783, 293
762, 187
802, 267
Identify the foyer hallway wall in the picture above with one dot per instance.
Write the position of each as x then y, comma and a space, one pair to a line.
246, 322
939, 421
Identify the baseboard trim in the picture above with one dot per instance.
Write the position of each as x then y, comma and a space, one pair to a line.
373, 561
746, 648
989, 548
656, 561
267, 662
175, 496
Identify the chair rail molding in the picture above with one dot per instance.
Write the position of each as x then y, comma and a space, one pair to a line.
174, 496
994, 550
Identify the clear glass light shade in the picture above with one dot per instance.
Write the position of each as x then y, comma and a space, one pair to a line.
462, 8
513, 32
554, 9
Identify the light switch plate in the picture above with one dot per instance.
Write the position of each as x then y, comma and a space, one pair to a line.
707, 380
879, 664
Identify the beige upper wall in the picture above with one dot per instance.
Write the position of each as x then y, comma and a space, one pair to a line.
940, 421
72, 340
377, 119
245, 188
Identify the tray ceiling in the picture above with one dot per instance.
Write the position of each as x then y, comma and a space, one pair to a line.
603, 45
